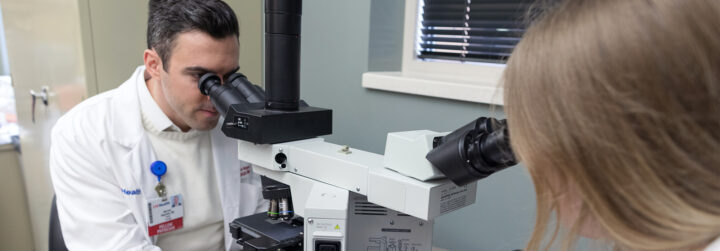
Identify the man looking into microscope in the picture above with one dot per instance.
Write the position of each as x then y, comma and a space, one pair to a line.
144, 166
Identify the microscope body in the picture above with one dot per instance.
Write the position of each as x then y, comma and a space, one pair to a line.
348, 199
328, 197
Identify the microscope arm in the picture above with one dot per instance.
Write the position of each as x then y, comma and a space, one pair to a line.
305, 163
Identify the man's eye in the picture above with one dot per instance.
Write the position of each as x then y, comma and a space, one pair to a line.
197, 75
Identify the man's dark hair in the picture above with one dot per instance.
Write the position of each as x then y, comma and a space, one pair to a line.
168, 18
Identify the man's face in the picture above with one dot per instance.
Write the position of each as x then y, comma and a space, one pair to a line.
194, 54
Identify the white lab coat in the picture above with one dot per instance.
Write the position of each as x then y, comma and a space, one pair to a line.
99, 163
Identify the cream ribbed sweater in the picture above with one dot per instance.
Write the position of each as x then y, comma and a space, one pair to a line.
190, 172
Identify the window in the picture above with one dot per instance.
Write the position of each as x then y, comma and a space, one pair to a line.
8, 118
9, 129
455, 49
467, 30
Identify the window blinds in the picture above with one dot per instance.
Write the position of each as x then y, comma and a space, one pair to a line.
470, 30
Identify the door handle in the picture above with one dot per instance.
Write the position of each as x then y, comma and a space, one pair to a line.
43, 95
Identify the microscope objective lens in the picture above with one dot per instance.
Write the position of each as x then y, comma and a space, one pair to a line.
273, 212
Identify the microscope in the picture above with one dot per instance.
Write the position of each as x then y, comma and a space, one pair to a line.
329, 197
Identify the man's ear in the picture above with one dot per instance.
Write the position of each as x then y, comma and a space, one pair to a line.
153, 63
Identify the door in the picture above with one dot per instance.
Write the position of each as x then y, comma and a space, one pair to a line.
45, 56
77, 48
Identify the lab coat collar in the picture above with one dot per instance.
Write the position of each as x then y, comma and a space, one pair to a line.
126, 111
125, 115
152, 111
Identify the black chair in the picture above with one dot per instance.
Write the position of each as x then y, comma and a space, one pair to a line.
57, 243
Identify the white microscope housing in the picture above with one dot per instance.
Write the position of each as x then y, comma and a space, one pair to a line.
357, 200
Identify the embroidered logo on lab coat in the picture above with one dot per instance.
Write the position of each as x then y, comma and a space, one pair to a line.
131, 192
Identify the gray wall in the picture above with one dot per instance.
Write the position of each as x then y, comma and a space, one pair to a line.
114, 39
341, 39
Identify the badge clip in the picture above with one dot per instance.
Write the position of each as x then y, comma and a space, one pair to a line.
158, 168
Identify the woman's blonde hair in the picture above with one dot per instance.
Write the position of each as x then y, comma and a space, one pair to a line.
619, 100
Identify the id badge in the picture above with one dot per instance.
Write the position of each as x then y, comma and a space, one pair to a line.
165, 215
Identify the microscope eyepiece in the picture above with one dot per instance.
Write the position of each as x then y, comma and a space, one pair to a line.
496, 148
474, 151
208, 81
251, 92
222, 96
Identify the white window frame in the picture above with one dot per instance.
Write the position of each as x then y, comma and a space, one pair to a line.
470, 81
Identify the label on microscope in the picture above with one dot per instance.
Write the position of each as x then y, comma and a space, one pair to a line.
452, 198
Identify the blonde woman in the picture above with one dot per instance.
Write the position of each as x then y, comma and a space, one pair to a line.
614, 107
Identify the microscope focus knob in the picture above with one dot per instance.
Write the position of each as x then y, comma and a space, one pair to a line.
280, 158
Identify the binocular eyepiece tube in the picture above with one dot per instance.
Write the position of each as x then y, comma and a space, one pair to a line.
473, 151
237, 90
251, 92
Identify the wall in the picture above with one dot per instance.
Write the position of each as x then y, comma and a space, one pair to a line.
114, 36
341, 39
44, 48
15, 233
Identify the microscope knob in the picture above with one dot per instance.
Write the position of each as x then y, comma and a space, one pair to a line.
280, 158
235, 230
